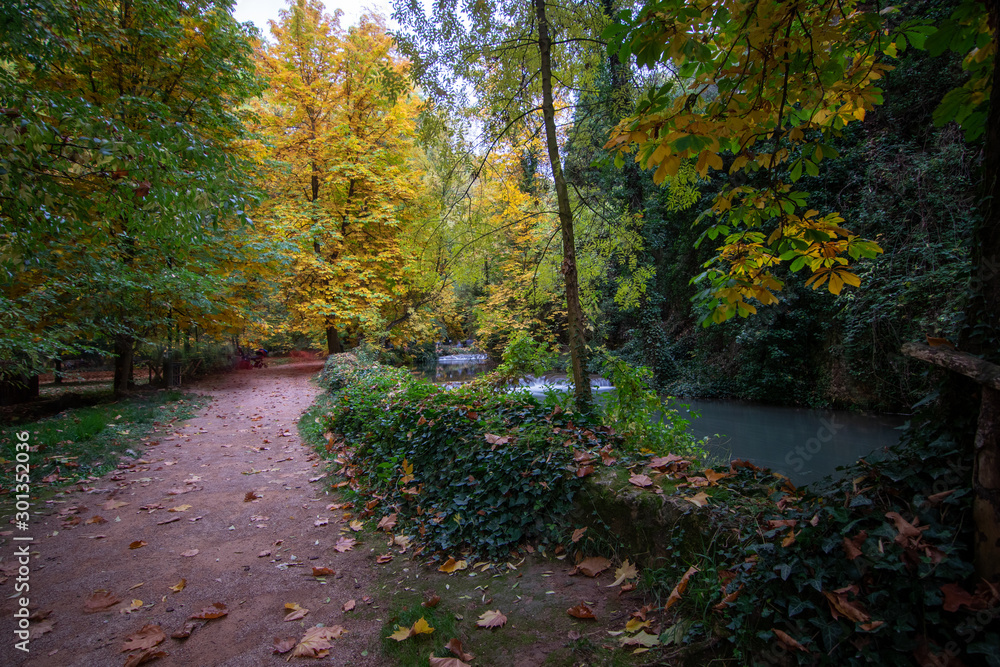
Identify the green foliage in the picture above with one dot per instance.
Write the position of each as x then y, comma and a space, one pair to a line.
82, 442
469, 468
787, 553
636, 411
522, 357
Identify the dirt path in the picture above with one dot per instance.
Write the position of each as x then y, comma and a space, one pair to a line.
243, 444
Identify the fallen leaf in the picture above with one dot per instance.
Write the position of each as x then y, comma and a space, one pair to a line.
434, 661
166, 521
100, 600
640, 480
852, 546
96, 519
643, 639
148, 655
344, 544
581, 611
348, 606
251, 496
39, 629
455, 646
190, 552
264, 554
322, 521
357, 526
295, 612
592, 566
323, 571
384, 558
185, 632
180, 508
452, 565
134, 605
149, 636
841, 606
432, 600
956, 597
113, 505
138, 544
788, 640
625, 572
675, 595
578, 534
635, 624
699, 499
316, 642
387, 523
217, 610
284, 645
492, 619
421, 627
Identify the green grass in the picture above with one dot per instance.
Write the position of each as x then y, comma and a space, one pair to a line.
86, 442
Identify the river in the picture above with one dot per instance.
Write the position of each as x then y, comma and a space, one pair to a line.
803, 444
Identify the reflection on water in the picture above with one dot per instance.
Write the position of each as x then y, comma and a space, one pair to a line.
804, 445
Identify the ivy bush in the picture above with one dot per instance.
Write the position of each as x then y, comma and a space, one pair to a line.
466, 469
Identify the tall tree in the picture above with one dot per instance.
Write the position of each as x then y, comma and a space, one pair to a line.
339, 119
503, 53
119, 119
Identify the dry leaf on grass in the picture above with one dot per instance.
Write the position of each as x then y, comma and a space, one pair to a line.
431, 600
592, 566
100, 601
447, 662
578, 534
149, 636
148, 655
699, 499
295, 612
492, 619
384, 558
421, 627
643, 639
634, 625
625, 572
387, 523
357, 526
675, 595
348, 606
455, 646
217, 610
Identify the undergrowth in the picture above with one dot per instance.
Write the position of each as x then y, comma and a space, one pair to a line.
84, 442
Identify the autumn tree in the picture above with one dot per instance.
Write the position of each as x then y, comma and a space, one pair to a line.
338, 124
759, 90
117, 187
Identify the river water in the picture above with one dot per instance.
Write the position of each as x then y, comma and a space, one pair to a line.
805, 445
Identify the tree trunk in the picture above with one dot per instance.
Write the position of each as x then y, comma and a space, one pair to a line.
574, 312
124, 348
986, 487
333, 345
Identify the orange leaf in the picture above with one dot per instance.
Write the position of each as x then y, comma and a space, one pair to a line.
138, 544
788, 640
578, 534
348, 606
100, 600
149, 636
217, 610
455, 646
581, 611
323, 571
640, 480
675, 595
592, 566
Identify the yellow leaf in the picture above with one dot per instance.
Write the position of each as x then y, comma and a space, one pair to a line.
625, 572
635, 624
422, 627
179, 586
